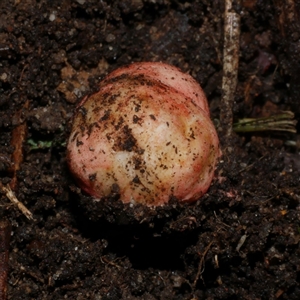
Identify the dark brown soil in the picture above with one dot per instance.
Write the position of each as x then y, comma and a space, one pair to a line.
240, 241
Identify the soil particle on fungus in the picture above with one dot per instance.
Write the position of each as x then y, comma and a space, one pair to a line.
240, 241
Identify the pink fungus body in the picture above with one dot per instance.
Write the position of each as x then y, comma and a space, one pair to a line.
147, 133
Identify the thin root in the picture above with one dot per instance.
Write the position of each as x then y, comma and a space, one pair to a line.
201, 266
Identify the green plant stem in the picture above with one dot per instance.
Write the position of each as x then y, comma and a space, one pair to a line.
284, 121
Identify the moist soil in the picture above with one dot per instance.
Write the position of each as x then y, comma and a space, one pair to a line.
239, 241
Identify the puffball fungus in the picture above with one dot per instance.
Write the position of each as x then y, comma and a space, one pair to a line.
146, 134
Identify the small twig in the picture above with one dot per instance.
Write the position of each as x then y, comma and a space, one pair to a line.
230, 67
5, 232
190, 219
22, 73
219, 221
104, 260
201, 264
17, 140
11, 196
249, 167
